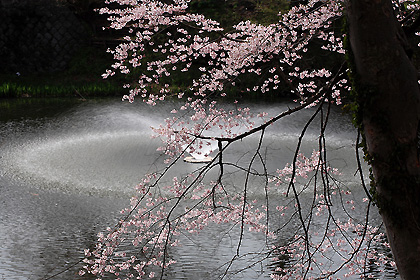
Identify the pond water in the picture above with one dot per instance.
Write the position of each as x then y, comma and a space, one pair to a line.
67, 168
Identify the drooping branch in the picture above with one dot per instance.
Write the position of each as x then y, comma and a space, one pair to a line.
156, 217
308, 102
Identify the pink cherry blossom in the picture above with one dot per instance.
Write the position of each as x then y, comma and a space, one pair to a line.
166, 206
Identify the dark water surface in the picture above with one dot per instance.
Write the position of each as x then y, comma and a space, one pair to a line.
67, 167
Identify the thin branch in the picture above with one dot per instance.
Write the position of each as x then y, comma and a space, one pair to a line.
245, 191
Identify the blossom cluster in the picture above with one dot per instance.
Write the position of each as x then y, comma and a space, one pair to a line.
181, 40
164, 38
155, 222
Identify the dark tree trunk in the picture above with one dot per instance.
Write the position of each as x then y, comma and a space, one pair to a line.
389, 109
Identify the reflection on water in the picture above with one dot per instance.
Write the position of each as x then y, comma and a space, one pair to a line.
43, 232
67, 169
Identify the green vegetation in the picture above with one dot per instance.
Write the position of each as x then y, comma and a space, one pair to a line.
82, 79
10, 89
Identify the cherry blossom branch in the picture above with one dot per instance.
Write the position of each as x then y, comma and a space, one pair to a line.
309, 101
355, 251
245, 189
183, 41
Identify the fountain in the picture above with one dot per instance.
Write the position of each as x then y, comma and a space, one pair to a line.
65, 177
